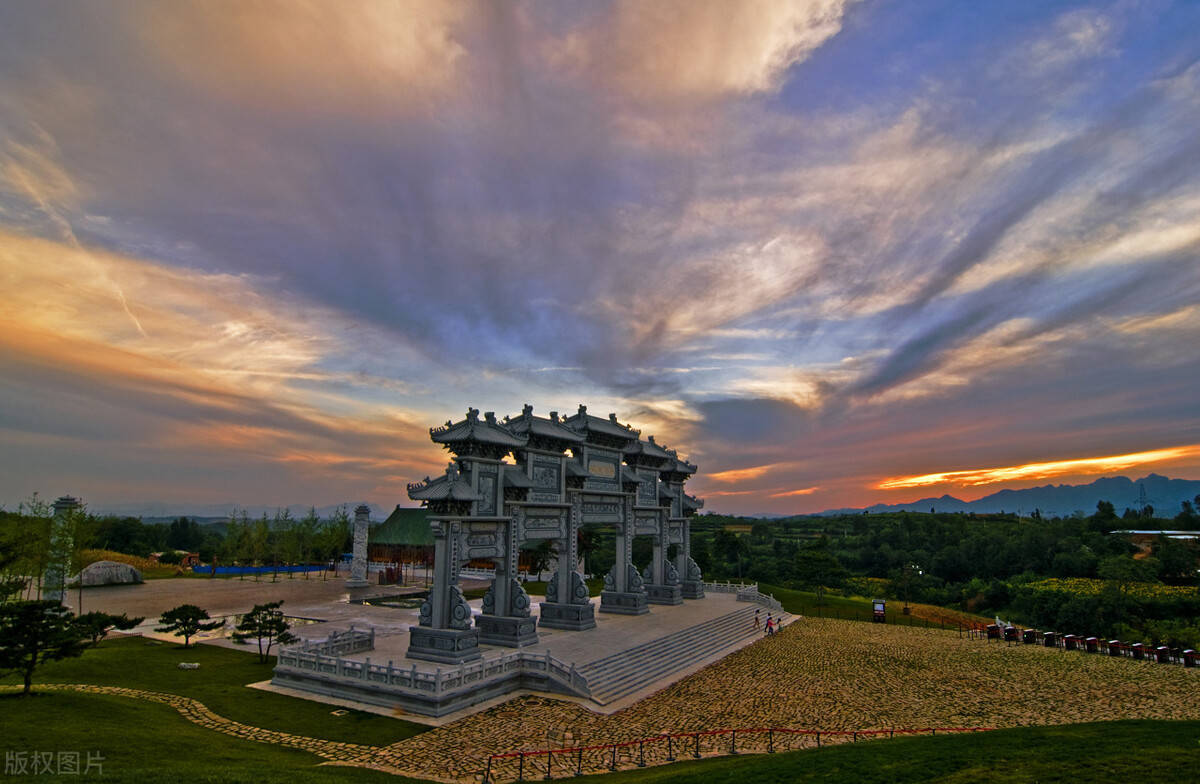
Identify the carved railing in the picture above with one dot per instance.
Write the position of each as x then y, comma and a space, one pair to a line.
441, 681
746, 593
336, 644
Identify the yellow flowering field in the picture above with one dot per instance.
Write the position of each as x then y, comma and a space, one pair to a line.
1084, 586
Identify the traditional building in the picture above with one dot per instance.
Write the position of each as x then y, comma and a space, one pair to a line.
566, 473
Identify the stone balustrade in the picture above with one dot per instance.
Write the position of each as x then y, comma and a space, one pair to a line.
746, 592
336, 644
425, 691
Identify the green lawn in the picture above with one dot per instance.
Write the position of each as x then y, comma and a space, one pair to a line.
1158, 751
137, 663
143, 741
854, 608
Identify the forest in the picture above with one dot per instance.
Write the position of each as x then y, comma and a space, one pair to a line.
1074, 574
279, 539
1069, 574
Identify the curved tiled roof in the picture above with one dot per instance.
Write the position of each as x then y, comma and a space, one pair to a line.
527, 424
582, 421
449, 486
472, 428
514, 476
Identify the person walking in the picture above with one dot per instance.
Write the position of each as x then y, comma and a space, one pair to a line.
769, 623
756, 621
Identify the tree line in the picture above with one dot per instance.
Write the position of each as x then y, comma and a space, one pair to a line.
983, 563
26, 533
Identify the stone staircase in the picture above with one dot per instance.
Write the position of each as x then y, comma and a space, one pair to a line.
621, 674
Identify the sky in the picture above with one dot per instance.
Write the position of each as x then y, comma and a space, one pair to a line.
834, 252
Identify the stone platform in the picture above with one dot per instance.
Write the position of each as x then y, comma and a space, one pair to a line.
621, 660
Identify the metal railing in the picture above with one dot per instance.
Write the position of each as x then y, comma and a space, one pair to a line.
662, 749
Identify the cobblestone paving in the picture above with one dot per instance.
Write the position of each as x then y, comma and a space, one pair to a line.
815, 674
829, 675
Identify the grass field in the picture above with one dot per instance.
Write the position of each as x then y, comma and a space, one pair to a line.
141, 741
857, 608
219, 683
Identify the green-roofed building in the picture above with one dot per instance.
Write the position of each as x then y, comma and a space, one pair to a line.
402, 538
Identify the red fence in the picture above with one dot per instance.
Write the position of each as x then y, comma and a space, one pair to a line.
660, 749
1077, 642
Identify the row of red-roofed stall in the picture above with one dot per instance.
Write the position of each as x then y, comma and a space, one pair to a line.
1077, 642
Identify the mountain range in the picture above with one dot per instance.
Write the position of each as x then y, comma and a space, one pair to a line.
1162, 493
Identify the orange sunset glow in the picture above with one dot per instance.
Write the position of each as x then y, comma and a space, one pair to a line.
830, 282
1083, 465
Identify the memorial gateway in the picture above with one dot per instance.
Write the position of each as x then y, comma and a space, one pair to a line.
511, 481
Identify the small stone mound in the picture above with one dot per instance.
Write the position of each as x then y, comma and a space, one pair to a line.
109, 573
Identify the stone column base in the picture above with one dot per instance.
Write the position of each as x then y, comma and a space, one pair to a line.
352, 583
506, 630
448, 646
633, 603
664, 594
693, 589
572, 617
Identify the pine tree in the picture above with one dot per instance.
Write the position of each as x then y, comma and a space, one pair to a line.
186, 621
266, 624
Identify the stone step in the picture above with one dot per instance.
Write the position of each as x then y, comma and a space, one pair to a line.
648, 671
667, 648
692, 631
624, 673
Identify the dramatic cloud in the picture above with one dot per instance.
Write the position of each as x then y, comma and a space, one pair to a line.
257, 248
1082, 465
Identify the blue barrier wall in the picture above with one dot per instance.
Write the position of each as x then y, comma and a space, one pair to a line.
256, 569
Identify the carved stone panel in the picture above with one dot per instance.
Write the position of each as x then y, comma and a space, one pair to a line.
603, 510
648, 489
604, 469
487, 489
543, 526
547, 479
646, 525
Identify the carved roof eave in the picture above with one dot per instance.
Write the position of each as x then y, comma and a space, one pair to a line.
692, 502
449, 486
514, 476
472, 428
527, 424
442, 490
583, 422
677, 466
631, 477
649, 449
575, 469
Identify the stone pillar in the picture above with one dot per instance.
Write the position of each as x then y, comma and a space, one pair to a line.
568, 603
506, 619
358, 566
444, 633
62, 543
624, 589
662, 578
692, 582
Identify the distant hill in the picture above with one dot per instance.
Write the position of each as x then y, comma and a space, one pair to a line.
1164, 494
